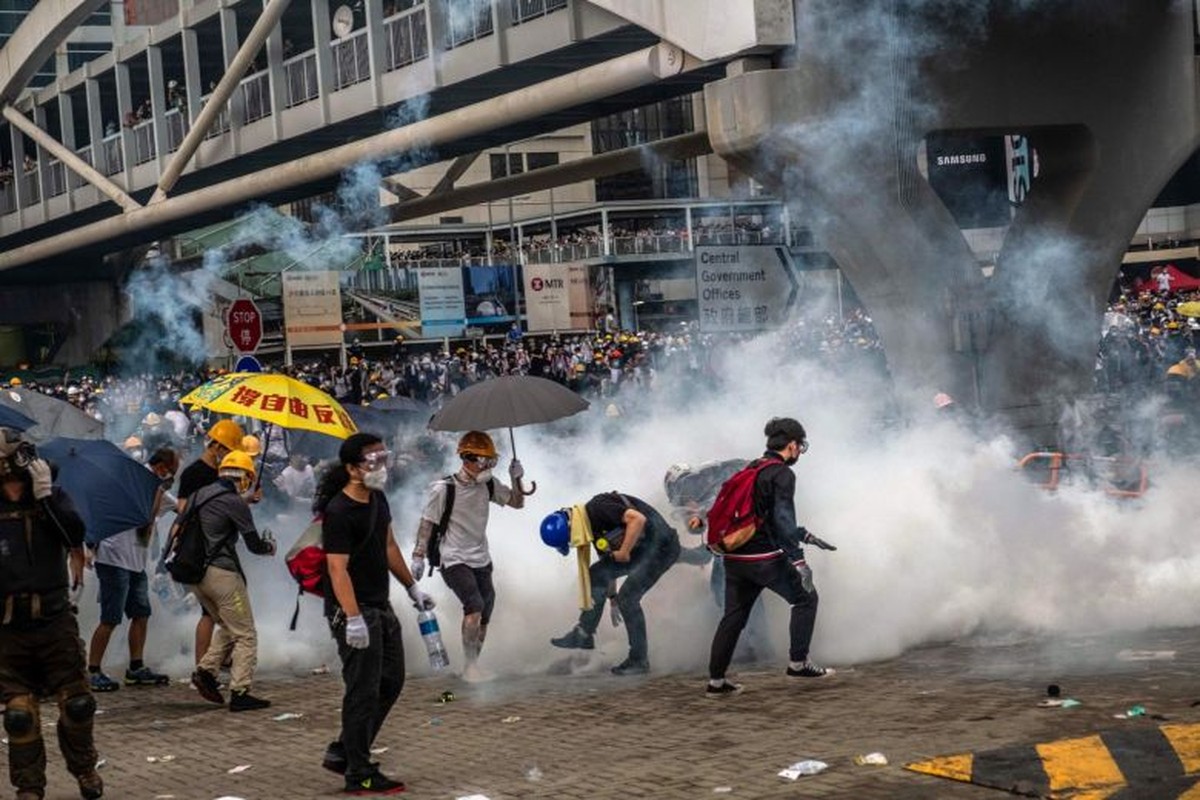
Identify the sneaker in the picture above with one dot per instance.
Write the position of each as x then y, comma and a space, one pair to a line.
244, 701
726, 689
373, 785
102, 683
145, 677
575, 639
30, 794
91, 786
335, 758
631, 667
206, 683
809, 670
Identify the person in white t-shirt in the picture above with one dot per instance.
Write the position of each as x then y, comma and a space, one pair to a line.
465, 561
298, 481
120, 564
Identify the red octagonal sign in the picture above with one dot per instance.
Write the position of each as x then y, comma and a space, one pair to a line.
244, 322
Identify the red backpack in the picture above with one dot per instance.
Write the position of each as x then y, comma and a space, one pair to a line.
731, 520
306, 560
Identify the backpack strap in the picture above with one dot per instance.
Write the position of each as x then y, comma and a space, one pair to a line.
192, 510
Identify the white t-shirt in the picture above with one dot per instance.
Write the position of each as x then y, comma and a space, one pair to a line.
123, 550
465, 541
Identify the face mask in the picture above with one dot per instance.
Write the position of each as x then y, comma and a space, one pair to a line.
376, 479
483, 476
791, 461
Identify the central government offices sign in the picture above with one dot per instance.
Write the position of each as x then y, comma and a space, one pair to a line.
744, 288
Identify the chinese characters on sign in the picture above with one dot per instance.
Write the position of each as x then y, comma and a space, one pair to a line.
312, 308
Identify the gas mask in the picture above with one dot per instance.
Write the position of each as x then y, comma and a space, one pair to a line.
376, 479
483, 476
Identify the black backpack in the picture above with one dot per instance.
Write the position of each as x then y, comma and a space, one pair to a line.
433, 551
186, 558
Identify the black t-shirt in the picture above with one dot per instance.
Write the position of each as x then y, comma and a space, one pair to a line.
34, 559
196, 476
606, 514
346, 525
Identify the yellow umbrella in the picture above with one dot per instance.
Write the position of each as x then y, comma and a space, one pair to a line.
273, 398
1189, 309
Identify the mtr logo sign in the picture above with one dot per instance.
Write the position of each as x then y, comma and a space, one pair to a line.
538, 284
244, 324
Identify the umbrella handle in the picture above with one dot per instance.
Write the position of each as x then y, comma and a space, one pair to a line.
521, 488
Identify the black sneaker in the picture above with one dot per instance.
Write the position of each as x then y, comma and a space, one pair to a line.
145, 677
374, 785
631, 667
809, 670
207, 684
726, 689
335, 758
575, 639
244, 701
91, 787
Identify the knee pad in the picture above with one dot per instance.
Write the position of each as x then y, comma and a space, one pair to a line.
22, 720
76, 707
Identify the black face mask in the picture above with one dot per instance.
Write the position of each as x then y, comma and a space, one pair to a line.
791, 462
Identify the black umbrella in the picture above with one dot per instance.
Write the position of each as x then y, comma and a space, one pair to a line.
54, 417
366, 418
509, 401
112, 491
400, 403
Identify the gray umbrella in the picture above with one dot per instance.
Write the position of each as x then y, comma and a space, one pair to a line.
54, 417
509, 402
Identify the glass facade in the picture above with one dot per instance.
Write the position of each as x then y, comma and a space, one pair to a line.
658, 179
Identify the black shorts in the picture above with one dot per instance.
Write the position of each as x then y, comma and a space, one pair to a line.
473, 587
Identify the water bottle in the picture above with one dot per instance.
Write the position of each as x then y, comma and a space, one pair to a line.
431, 634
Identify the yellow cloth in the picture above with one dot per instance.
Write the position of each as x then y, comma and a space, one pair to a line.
581, 540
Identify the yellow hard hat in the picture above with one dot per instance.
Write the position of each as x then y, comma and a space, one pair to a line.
236, 459
14, 381
131, 443
476, 443
228, 433
251, 445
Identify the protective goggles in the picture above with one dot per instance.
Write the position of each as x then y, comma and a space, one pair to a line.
487, 462
376, 459
803, 446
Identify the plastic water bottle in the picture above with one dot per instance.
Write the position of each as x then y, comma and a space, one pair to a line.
431, 634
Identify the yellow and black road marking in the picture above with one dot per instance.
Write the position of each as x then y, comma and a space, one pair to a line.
1126, 764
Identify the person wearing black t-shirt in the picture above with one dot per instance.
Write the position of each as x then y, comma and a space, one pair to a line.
633, 541
361, 552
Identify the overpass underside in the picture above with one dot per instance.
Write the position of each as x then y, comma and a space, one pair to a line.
1106, 95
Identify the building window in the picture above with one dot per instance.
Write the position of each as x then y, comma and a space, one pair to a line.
515, 165
641, 125
80, 53
540, 160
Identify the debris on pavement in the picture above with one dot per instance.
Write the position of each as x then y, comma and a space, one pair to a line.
807, 767
160, 759
534, 774
1134, 711
871, 759
474, 797
238, 769
446, 697
286, 716
1146, 655
321, 670
228, 797
1059, 702
378, 751
433, 722
722, 789
1071, 702
1053, 690
508, 720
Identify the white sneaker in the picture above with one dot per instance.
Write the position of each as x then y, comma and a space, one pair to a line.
475, 674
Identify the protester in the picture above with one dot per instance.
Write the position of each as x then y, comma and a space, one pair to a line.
772, 559
224, 517
633, 541
41, 654
120, 565
297, 481
361, 551
461, 503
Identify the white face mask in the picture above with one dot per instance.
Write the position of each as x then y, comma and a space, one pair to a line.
483, 476
376, 479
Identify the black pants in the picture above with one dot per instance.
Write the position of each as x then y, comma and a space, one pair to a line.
648, 562
373, 678
744, 582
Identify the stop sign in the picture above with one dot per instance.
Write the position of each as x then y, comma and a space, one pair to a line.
244, 323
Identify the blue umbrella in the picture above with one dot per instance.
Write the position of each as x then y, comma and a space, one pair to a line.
112, 491
11, 418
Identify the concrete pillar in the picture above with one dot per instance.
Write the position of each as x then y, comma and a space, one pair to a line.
376, 48
158, 102
229, 48
124, 106
322, 35
193, 84
21, 193
436, 25
277, 77
96, 122
1109, 134
42, 156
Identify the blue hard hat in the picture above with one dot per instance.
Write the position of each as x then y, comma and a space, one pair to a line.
556, 531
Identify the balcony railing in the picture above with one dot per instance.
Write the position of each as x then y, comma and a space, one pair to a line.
525, 10
8, 194
177, 128
143, 142
468, 20
33, 191
405, 39
221, 124
112, 159
300, 73
351, 60
56, 178
74, 181
256, 92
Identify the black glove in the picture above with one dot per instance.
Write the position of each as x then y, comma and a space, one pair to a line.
814, 540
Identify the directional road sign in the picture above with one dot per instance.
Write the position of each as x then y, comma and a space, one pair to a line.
744, 288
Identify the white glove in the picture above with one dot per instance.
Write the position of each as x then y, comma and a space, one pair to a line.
516, 471
39, 470
358, 635
421, 601
417, 567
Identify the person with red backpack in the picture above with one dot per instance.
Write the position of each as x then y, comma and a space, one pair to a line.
753, 524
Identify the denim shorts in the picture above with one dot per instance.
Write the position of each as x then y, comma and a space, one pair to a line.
123, 593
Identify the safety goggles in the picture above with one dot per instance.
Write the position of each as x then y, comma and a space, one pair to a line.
487, 462
803, 446
376, 459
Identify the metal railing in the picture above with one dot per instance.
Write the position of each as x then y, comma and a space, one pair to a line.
112, 159
56, 178
351, 60
525, 10
300, 74
405, 39
8, 195
33, 189
177, 128
256, 93
550, 253
221, 124
143, 142
74, 181
467, 21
